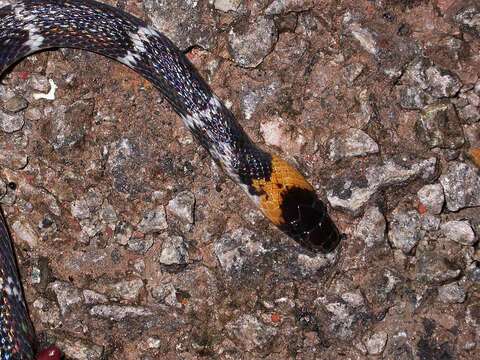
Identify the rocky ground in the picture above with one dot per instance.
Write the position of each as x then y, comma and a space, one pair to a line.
134, 245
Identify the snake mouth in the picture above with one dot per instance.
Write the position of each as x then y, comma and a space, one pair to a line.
307, 221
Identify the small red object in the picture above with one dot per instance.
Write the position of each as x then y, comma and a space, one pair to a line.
50, 353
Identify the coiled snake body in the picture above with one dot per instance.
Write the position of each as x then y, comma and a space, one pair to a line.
278, 189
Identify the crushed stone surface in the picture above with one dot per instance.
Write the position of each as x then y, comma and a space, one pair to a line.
132, 244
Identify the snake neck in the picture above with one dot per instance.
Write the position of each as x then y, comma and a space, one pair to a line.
30, 26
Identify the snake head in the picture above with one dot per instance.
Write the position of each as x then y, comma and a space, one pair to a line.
306, 220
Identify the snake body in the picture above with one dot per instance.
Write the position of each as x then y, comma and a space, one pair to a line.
277, 188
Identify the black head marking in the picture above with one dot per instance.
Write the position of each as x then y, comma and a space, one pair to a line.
307, 221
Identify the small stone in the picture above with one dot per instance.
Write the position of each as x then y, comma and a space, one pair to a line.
459, 231
432, 197
123, 233
174, 251
442, 83
11, 123
438, 126
353, 190
472, 134
430, 222
118, 312
92, 297
153, 221
79, 349
234, 249
281, 7
413, 98
469, 18
353, 71
69, 124
376, 343
405, 229
227, 5
461, 185
353, 142
469, 113
24, 231
451, 294
433, 268
140, 245
250, 44
67, 295
250, 332
80, 209
372, 227
183, 206
127, 289
15, 104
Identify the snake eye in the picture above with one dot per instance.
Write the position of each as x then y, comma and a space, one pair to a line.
307, 221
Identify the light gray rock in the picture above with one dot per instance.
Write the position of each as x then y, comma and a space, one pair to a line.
15, 104
183, 206
438, 126
352, 191
434, 268
153, 221
79, 209
432, 197
376, 343
459, 231
251, 43
372, 227
67, 295
250, 332
469, 18
405, 229
461, 185
351, 143
227, 5
118, 312
11, 123
451, 293
174, 251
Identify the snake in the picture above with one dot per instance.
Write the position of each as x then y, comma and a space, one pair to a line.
276, 187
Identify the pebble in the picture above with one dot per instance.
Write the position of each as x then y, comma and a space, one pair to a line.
227, 5
25, 232
183, 206
10, 123
250, 332
461, 185
432, 197
67, 295
282, 7
80, 349
434, 268
153, 221
68, 124
405, 229
250, 44
118, 312
438, 126
140, 245
376, 343
468, 17
174, 251
183, 21
79, 209
352, 191
15, 104
459, 231
372, 227
451, 293
351, 143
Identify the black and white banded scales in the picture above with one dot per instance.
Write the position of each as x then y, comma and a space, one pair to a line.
278, 189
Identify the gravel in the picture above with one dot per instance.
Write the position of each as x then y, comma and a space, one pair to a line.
132, 243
